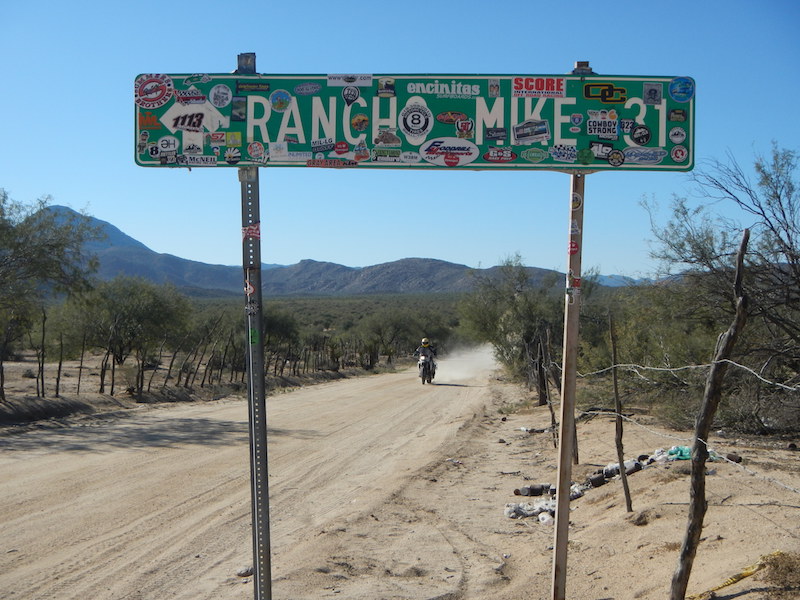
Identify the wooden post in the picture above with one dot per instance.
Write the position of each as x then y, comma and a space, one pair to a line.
618, 420
702, 427
567, 423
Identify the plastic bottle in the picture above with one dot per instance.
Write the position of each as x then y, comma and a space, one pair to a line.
631, 466
611, 470
597, 480
537, 489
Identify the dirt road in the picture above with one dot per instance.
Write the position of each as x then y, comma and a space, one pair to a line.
156, 504
380, 488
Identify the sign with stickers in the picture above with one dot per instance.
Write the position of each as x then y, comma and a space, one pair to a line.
478, 122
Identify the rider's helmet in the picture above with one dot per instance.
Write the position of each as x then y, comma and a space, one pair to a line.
425, 342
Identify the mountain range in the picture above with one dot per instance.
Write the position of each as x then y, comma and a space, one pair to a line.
120, 254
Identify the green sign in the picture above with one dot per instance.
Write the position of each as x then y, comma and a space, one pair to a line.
554, 122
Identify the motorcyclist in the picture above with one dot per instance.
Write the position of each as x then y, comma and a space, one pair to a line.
425, 349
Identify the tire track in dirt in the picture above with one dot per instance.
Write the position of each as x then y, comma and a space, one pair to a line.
156, 505
119, 548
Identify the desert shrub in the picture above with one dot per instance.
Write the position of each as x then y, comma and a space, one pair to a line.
753, 408
782, 572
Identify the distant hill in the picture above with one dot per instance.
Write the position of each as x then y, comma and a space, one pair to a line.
120, 254
619, 280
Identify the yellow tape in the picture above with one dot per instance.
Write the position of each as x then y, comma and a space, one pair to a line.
747, 572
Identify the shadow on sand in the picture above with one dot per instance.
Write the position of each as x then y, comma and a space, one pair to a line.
132, 432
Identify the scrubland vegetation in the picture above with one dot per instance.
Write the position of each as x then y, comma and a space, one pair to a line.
151, 337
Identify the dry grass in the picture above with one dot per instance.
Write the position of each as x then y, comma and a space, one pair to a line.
782, 573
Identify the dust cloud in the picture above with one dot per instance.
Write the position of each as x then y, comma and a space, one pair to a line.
464, 364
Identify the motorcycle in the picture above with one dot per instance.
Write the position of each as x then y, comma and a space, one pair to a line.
426, 368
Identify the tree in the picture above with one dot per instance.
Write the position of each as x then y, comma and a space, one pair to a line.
40, 248
700, 246
127, 316
775, 259
387, 332
281, 338
517, 319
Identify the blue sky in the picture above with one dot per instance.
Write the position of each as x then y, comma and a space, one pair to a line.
67, 73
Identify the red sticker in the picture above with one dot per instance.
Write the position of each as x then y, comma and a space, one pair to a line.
152, 90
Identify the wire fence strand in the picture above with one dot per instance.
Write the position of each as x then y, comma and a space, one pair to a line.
709, 448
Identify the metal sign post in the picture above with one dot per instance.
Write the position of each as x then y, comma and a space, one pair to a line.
572, 305
259, 471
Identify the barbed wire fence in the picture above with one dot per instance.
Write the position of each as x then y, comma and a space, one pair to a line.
638, 368
639, 371
711, 449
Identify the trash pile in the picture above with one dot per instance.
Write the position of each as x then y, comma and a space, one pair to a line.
545, 509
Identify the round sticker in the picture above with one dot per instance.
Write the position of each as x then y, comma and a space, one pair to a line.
280, 100
451, 160
616, 158
232, 156
255, 149
681, 89
585, 156
679, 154
360, 122
640, 135
153, 91
220, 95
416, 120
677, 135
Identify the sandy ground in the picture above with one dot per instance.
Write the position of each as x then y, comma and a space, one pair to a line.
380, 488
